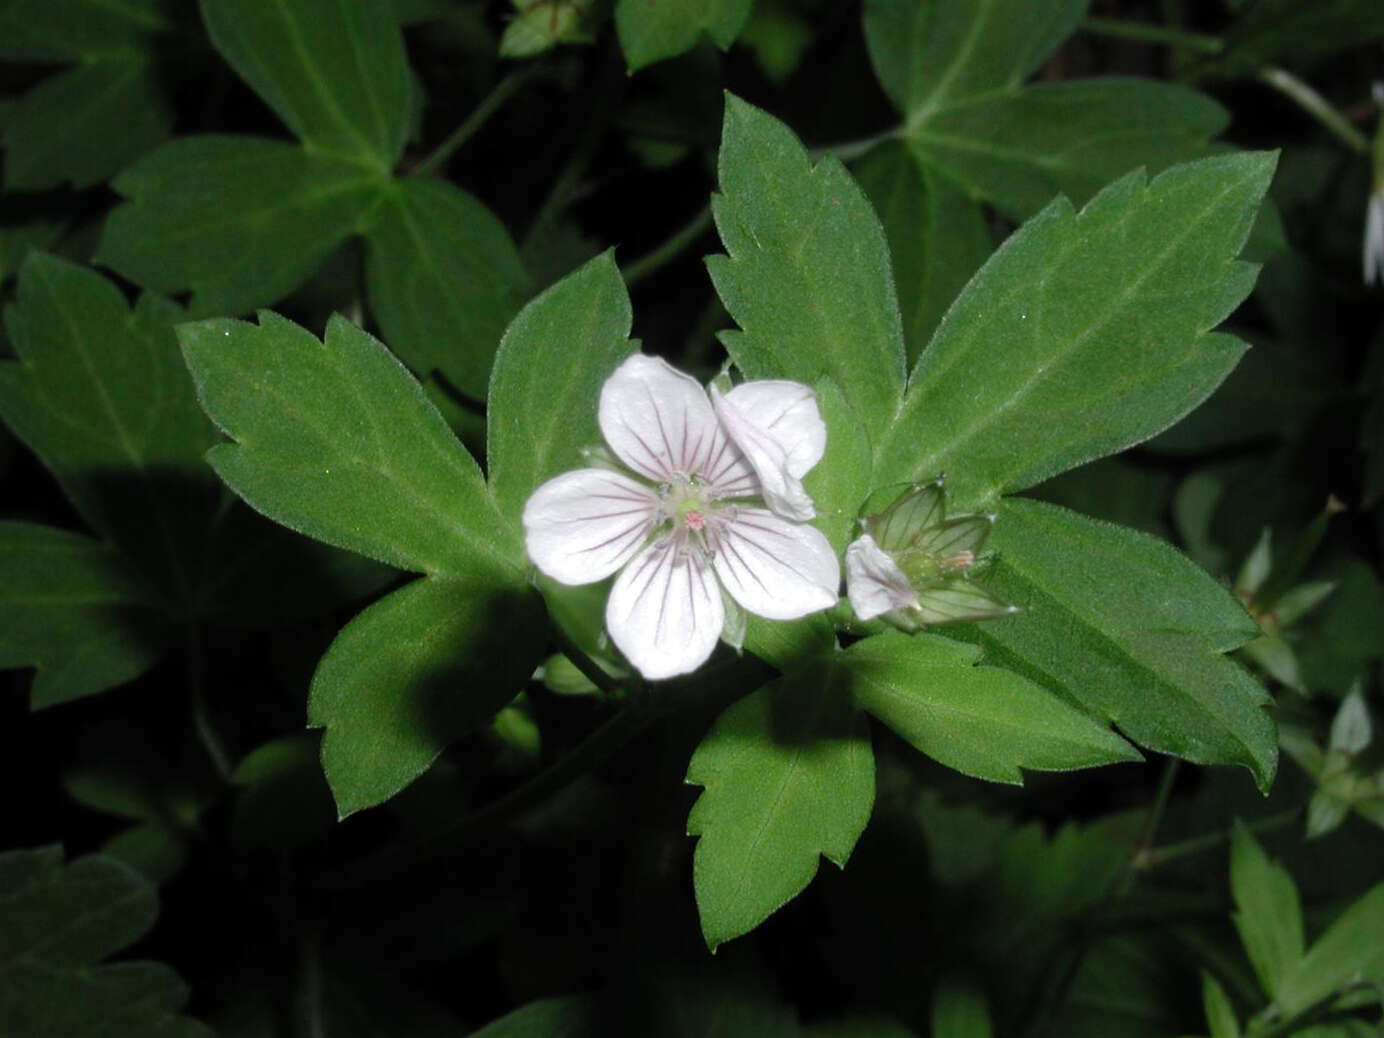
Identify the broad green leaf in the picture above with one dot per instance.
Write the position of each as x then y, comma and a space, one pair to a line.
1017, 150
333, 70
1084, 333
444, 279
570, 1017
281, 800
959, 1010
18, 240
788, 644
789, 776
78, 30
1298, 29
238, 221
1220, 1014
335, 439
807, 277
101, 396
57, 922
929, 52
547, 380
839, 482
985, 722
414, 671
70, 607
937, 236
1268, 913
1130, 629
85, 124
1349, 952
651, 30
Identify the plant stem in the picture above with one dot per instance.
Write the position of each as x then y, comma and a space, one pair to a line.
669, 249
1157, 34
1156, 856
201, 719
591, 670
1318, 107
848, 150
492, 101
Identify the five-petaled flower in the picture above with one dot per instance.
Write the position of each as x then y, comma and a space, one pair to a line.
689, 519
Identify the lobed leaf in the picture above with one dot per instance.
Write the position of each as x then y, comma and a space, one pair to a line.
1268, 913
336, 440
547, 381
1350, 952
78, 30
334, 70
985, 722
807, 277
444, 280
788, 776
1085, 333
1131, 630
651, 30
414, 671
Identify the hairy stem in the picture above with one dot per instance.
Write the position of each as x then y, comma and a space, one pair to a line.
503, 91
670, 249
1318, 107
1156, 34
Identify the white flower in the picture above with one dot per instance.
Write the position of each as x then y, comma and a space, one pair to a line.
874, 583
1374, 235
685, 524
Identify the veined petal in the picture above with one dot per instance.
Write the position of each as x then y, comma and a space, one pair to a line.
665, 611
781, 489
582, 526
657, 420
774, 568
787, 413
874, 583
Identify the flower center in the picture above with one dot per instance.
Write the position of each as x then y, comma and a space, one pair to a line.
692, 513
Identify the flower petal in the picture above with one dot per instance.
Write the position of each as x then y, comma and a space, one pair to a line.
657, 420
874, 583
787, 412
1374, 238
665, 612
774, 568
781, 489
584, 525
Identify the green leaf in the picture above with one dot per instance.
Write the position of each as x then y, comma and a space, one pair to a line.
985, 722
788, 776
547, 380
839, 482
571, 1017
100, 394
85, 124
333, 70
651, 30
1017, 150
57, 922
938, 237
928, 53
1268, 913
807, 277
1349, 952
78, 30
959, 1010
1220, 1014
238, 221
19, 239
281, 801
336, 440
1131, 630
1085, 333
444, 279
411, 673
70, 607
1300, 29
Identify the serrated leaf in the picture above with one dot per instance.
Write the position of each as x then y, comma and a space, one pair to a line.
651, 30
1349, 952
547, 381
1268, 914
930, 52
789, 776
78, 30
1017, 150
1133, 631
807, 277
839, 482
102, 397
985, 722
937, 236
333, 70
238, 221
1085, 333
85, 124
444, 280
335, 439
57, 922
71, 608
414, 671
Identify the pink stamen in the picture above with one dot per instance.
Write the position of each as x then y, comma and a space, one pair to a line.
694, 520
